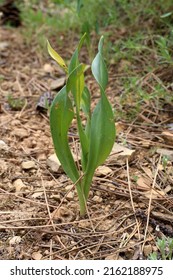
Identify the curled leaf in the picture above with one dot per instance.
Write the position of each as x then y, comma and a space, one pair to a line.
56, 57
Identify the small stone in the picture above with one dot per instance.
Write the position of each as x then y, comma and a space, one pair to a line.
69, 187
166, 152
20, 132
103, 170
36, 255
3, 46
168, 189
96, 198
41, 157
148, 250
18, 185
48, 68
3, 146
37, 193
56, 197
64, 214
120, 153
56, 84
70, 195
28, 164
53, 163
112, 257
15, 240
3, 167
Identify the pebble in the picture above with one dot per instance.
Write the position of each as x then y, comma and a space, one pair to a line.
56, 84
70, 195
18, 185
28, 164
3, 46
97, 198
69, 187
3, 146
47, 68
53, 163
15, 240
3, 167
103, 170
41, 157
36, 255
20, 132
147, 250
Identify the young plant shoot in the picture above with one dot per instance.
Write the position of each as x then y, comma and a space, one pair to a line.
97, 136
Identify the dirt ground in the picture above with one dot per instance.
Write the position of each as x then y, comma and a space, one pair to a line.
131, 198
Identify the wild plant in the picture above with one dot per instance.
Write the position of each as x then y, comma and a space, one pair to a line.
97, 136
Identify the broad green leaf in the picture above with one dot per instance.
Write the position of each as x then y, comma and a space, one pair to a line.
102, 129
56, 57
101, 139
99, 71
61, 116
98, 67
102, 134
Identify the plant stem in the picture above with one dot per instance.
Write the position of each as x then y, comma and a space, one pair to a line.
83, 188
86, 183
81, 197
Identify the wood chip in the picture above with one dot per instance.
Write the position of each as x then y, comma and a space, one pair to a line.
168, 136
143, 183
155, 194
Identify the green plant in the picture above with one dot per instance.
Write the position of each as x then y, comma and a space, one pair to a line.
164, 52
16, 103
165, 247
165, 160
97, 136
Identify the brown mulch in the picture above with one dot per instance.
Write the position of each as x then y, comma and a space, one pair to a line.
39, 214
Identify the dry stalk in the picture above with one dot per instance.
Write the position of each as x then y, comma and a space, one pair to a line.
131, 198
150, 201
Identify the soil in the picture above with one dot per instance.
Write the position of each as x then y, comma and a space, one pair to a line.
130, 204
